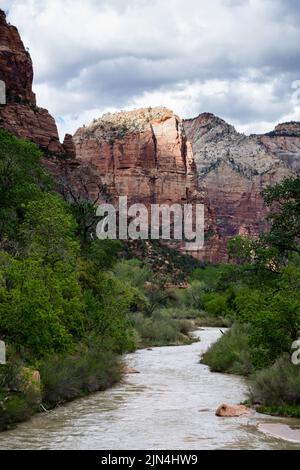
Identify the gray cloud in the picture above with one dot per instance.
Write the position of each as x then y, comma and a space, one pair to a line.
236, 58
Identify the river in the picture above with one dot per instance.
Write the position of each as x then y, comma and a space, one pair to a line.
170, 405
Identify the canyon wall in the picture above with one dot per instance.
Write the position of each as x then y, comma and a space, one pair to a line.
144, 155
21, 115
233, 169
152, 156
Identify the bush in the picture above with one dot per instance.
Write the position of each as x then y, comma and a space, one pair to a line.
65, 378
161, 330
278, 385
19, 398
216, 304
231, 354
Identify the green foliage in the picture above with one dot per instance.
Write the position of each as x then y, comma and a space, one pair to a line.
278, 385
21, 180
216, 304
40, 307
284, 199
193, 297
150, 291
19, 399
88, 370
48, 231
161, 330
107, 302
133, 272
232, 353
210, 275
103, 253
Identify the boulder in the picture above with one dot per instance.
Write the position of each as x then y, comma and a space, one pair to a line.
231, 411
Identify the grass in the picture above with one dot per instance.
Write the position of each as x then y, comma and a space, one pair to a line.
285, 410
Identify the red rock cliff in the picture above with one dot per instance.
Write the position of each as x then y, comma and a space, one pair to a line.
144, 154
21, 115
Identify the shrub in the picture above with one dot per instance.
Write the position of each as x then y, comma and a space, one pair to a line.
277, 385
161, 330
231, 354
65, 378
19, 398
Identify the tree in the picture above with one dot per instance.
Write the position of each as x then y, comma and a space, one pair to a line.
284, 201
83, 189
40, 307
21, 180
48, 231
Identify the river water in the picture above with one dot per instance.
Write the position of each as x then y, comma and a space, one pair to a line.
170, 405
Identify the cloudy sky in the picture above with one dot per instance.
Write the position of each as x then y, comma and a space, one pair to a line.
239, 59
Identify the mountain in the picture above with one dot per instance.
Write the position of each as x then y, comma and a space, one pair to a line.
21, 115
153, 156
233, 169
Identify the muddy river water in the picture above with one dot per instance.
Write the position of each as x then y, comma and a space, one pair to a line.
170, 405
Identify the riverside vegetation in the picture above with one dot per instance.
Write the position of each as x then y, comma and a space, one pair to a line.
261, 294
70, 306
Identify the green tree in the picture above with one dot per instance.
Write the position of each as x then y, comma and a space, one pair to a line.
22, 179
48, 231
40, 307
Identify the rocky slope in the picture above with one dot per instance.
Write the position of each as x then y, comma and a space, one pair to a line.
233, 169
21, 115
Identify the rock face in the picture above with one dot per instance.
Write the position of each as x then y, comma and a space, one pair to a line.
21, 115
144, 155
152, 156
233, 169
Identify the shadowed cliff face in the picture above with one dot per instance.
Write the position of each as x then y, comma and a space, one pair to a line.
233, 169
15, 64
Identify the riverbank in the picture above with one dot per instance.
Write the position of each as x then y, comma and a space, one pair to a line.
63, 379
171, 404
273, 390
60, 379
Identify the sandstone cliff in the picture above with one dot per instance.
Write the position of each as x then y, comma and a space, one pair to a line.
233, 169
152, 156
21, 115
144, 155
